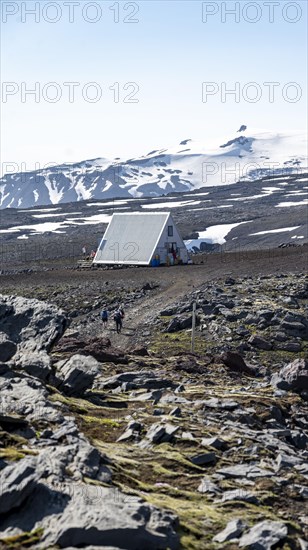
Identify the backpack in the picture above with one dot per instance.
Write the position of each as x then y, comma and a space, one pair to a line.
104, 315
117, 316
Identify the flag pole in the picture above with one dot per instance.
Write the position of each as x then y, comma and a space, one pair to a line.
193, 327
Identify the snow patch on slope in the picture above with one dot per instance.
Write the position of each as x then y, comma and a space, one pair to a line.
214, 234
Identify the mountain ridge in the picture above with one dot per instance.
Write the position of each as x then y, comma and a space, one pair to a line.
181, 168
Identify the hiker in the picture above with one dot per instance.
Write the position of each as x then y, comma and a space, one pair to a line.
104, 317
121, 310
84, 251
118, 321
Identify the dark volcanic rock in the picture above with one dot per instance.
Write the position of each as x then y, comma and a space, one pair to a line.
213, 442
203, 459
235, 362
72, 344
190, 364
11, 423
180, 323
295, 328
140, 351
294, 347
161, 433
99, 348
177, 324
134, 380
259, 342
104, 355
250, 440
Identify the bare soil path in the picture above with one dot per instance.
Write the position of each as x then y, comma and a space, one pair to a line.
176, 282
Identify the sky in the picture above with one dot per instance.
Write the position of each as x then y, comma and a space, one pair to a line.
119, 79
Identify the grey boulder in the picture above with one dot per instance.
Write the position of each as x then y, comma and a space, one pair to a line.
161, 433
264, 535
17, 481
30, 324
232, 531
7, 347
117, 519
293, 376
27, 397
239, 494
76, 374
203, 459
37, 364
260, 342
207, 486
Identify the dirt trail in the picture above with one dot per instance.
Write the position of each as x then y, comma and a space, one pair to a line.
138, 314
65, 287
175, 283
179, 281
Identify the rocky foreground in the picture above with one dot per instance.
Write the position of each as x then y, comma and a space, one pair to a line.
153, 447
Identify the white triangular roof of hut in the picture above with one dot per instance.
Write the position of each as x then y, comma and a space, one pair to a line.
132, 237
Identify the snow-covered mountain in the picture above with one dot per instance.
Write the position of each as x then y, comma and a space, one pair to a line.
248, 155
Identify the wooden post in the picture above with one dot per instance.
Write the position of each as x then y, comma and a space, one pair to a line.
193, 327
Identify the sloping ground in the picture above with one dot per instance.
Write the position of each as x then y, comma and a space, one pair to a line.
211, 437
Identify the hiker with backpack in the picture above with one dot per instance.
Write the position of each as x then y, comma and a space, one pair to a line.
104, 317
118, 320
121, 310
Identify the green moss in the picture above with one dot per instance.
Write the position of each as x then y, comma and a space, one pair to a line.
11, 453
23, 540
160, 470
172, 342
102, 421
79, 406
12, 440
